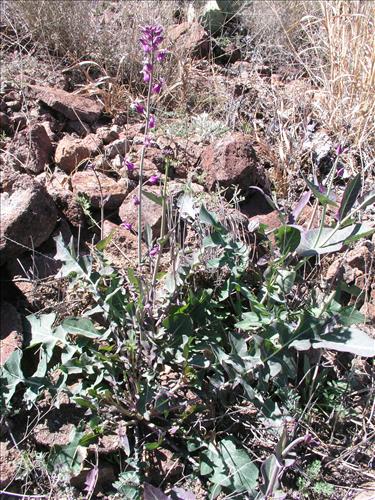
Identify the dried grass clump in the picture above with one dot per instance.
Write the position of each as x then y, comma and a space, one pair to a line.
346, 47
274, 29
102, 31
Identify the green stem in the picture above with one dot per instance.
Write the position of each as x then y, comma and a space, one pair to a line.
162, 239
329, 187
141, 169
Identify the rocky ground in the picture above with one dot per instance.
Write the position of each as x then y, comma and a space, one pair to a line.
62, 171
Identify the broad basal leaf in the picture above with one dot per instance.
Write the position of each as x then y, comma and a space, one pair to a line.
82, 327
69, 458
42, 332
10, 376
351, 193
330, 240
347, 339
241, 470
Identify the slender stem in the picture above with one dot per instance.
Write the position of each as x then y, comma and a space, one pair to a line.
141, 167
162, 239
329, 187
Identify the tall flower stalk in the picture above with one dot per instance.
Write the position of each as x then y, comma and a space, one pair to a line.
152, 37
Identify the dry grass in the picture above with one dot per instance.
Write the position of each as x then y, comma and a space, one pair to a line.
347, 74
102, 31
332, 42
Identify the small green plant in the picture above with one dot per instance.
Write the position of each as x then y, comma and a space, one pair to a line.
311, 482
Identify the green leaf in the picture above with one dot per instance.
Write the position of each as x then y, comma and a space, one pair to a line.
285, 280
352, 340
346, 339
186, 206
69, 458
153, 197
350, 195
330, 240
71, 264
10, 376
251, 320
288, 238
241, 470
206, 217
42, 332
82, 327
128, 485
323, 198
102, 244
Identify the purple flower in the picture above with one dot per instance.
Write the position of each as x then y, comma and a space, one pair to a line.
161, 55
138, 107
128, 165
151, 122
136, 200
156, 89
340, 172
127, 225
147, 70
321, 188
146, 77
147, 141
154, 251
340, 149
152, 37
154, 179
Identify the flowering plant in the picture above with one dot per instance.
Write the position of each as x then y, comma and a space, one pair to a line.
151, 38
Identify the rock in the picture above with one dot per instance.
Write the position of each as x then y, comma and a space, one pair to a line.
55, 426
149, 169
108, 135
117, 147
3, 106
271, 220
58, 187
151, 212
72, 106
190, 38
12, 96
28, 218
48, 127
102, 164
318, 144
232, 161
354, 267
94, 185
70, 151
360, 258
32, 148
10, 331
78, 127
123, 247
153, 154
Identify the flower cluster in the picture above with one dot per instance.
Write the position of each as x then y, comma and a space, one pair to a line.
151, 38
